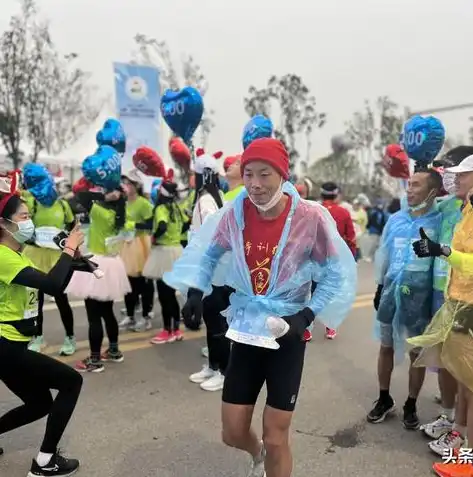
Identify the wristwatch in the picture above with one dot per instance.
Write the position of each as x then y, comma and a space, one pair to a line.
446, 250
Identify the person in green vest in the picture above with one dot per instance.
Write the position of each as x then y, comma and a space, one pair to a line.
49, 220
231, 166
108, 230
168, 225
29, 375
186, 206
134, 254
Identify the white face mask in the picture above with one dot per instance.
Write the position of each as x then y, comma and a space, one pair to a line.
448, 180
25, 230
272, 202
425, 204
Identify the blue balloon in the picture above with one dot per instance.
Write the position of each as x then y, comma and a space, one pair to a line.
182, 110
40, 183
422, 138
257, 127
155, 186
112, 134
103, 168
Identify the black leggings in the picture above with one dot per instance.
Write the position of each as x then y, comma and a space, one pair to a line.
169, 306
96, 311
65, 311
31, 376
216, 324
141, 288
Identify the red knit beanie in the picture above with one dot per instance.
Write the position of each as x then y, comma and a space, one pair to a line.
229, 161
269, 150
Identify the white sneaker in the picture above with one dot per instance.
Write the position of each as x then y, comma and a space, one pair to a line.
257, 466
435, 429
140, 325
148, 324
203, 375
450, 440
215, 383
127, 322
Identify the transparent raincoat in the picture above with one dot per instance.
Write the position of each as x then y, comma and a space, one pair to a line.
406, 300
310, 249
448, 341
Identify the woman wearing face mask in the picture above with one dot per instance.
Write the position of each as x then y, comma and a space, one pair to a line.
108, 229
27, 374
168, 225
134, 254
49, 220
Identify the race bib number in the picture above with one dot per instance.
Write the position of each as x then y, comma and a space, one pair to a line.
32, 304
44, 237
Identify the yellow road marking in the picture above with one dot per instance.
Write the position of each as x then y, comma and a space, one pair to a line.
137, 341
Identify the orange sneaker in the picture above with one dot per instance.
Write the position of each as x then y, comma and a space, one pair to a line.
453, 469
307, 336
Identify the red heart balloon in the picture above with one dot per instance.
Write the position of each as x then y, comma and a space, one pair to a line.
396, 162
148, 162
180, 153
82, 185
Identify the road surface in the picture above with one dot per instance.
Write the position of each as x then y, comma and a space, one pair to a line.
144, 418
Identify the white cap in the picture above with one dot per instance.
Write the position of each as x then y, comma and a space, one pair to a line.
133, 175
465, 166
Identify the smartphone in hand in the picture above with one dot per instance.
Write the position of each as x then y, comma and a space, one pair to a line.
60, 239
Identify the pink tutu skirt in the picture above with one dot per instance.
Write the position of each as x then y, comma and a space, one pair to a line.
113, 286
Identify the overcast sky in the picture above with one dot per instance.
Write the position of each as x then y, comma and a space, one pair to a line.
419, 52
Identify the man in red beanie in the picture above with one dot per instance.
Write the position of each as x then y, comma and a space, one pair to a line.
285, 242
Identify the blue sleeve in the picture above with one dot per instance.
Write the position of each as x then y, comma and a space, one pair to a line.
336, 274
199, 260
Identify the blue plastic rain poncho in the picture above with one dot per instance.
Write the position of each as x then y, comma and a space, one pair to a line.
406, 300
310, 249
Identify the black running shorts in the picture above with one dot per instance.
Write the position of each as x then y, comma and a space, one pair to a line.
250, 367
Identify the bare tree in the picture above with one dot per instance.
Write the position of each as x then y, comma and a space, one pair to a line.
193, 76
157, 53
297, 113
343, 169
371, 130
45, 99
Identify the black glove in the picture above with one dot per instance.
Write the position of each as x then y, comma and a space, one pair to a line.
192, 310
426, 247
298, 324
377, 297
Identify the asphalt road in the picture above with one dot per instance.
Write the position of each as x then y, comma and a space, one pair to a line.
144, 418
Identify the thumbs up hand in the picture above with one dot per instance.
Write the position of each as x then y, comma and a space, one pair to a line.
426, 247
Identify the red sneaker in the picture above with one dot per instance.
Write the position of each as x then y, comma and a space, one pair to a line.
178, 335
163, 336
330, 334
307, 336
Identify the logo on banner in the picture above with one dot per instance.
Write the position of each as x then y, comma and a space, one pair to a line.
136, 88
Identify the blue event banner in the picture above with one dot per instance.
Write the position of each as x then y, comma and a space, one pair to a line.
138, 98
